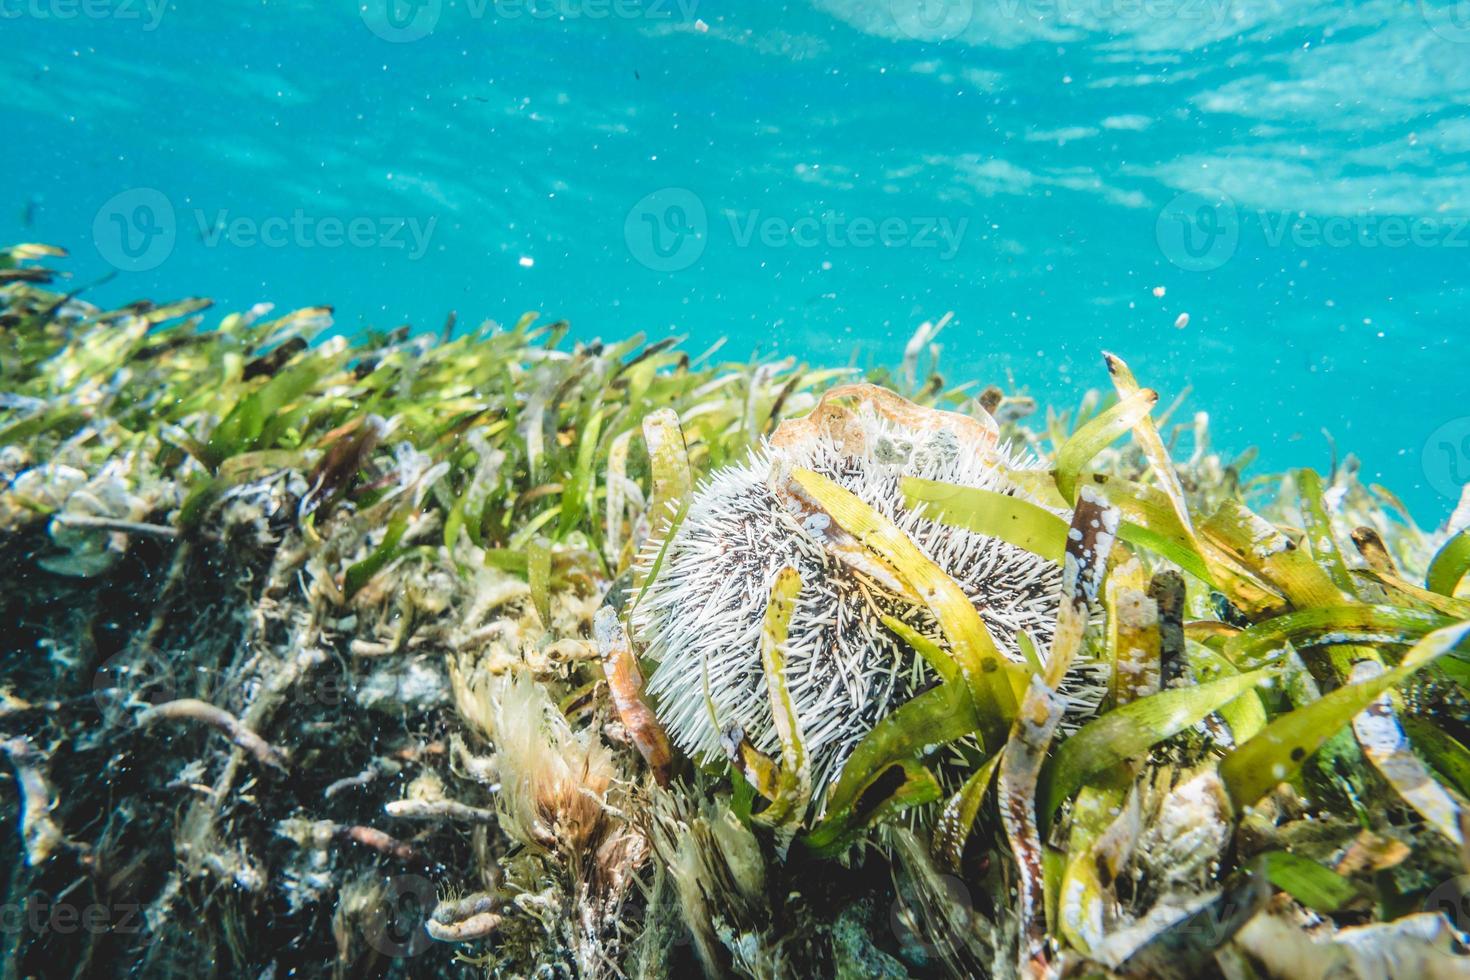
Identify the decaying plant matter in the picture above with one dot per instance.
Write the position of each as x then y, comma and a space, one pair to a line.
444, 655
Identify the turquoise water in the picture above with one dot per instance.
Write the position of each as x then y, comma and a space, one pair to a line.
810, 178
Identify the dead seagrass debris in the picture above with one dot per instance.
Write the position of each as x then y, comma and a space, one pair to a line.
465, 919
625, 684
192, 709
382, 842
109, 524
39, 832
437, 810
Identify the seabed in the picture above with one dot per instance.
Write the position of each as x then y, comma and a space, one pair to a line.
323, 657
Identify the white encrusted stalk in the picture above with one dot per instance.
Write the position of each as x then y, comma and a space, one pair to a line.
39, 832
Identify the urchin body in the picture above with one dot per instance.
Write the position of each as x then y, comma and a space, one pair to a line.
701, 616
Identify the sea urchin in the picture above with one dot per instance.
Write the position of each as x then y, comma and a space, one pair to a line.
701, 615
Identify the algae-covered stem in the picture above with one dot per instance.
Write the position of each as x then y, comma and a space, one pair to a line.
40, 832
625, 685
465, 919
192, 709
89, 522
1090, 543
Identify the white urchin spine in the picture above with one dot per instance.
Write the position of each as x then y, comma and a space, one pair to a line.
701, 616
